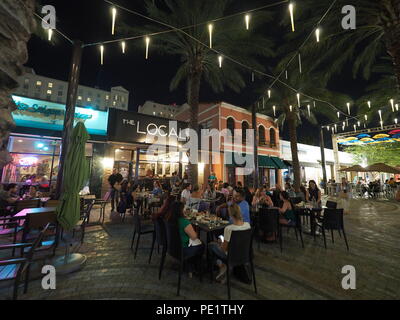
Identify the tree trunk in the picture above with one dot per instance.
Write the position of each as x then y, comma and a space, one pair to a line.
392, 35
16, 26
291, 119
194, 82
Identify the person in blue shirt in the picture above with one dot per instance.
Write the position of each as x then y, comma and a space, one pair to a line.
157, 191
240, 198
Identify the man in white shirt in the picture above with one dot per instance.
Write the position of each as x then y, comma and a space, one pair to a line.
186, 195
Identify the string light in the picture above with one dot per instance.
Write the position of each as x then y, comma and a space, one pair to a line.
114, 15
355, 128
298, 99
50, 34
338, 115
382, 125
343, 127
392, 103
147, 47
247, 19
380, 114
269, 94
369, 104
286, 74
210, 31
359, 123
327, 128
252, 77
335, 127
366, 117
348, 108
344, 124
397, 107
220, 61
291, 108
300, 68
274, 108
102, 54
291, 8
314, 104
317, 32
123, 45
309, 111
395, 120
347, 121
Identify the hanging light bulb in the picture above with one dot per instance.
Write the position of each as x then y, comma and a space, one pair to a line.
381, 124
366, 117
247, 19
210, 31
343, 128
347, 121
317, 33
380, 114
269, 94
314, 104
397, 107
392, 104
263, 102
291, 9
359, 123
123, 45
220, 61
298, 99
333, 130
274, 108
335, 127
101, 54
291, 108
369, 104
328, 128
300, 68
309, 111
338, 114
365, 125
50, 34
355, 128
286, 73
348, 108
395, 120
147, 47
114, 15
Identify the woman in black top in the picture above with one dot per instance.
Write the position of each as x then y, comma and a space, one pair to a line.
314, 194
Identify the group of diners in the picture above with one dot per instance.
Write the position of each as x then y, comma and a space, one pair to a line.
231, 203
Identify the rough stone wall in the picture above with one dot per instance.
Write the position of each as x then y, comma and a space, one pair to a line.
16, 25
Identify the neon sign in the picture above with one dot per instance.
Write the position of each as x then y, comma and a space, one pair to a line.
28, 161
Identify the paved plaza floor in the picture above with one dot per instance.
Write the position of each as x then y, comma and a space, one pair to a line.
373, 229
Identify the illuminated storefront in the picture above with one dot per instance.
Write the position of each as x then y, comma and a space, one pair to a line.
35, 144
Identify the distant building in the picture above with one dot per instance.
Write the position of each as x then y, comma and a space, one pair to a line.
152, 108
39, 87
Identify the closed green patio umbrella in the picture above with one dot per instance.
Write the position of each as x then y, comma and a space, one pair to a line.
76, 172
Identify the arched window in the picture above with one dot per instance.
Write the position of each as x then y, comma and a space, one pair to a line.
230, 124
261, 136
272, 137
245, 126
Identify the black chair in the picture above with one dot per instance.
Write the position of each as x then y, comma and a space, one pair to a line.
240, 252
84, 219
175, 250
297, 227
9, 228
159, 237
331, 205
139, 230
17, 268
333, 220
268, 223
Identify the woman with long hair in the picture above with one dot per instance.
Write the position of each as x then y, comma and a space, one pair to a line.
287, 214
314, 194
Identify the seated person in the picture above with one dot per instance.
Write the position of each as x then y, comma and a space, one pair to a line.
209, 193
290, 190
239, 199
157, 190
8, 197
165, 208
32, 193
261, 198
220, 250
192, 247
186, 195
287, 215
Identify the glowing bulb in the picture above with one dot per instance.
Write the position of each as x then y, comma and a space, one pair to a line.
269, 94
369, 104
291, 108
365, 117
114, 15
102, 54
348, 107
274, 108
300, 68
380, 114
335, 127
343, 127
327, 128
355, 128
358, 123
220, 61
247, 18
147, 47
338, 114
397, 107
123, 45
344, 124
309, 111
298, 99
50, 34
210, 31
317, 33
291, 8
286, 73
395, 120
392, 103
381, 124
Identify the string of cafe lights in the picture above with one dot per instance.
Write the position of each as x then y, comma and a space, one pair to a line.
220, 55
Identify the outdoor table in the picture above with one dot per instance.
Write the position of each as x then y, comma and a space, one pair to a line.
23, 213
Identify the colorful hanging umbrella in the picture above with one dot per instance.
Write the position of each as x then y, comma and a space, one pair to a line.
367, 139
395, 131
381, 135
363, 135
350, 139
396, 136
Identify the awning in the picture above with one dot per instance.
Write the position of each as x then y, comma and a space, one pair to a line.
266, 162
279, 163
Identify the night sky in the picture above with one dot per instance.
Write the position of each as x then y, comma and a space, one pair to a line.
90, 21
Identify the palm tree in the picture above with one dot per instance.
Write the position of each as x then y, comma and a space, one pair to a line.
289, 112
377, 35
199, 64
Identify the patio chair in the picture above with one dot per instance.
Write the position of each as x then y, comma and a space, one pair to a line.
268, 223
331, 204
297, 227
9, 228
159, 237
140, 230
83, 221
103, 203
333, 220
240, 252
17, 268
